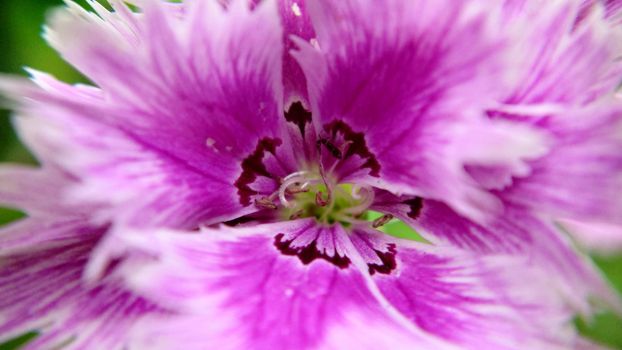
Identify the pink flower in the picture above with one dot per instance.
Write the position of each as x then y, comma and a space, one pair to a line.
215, 187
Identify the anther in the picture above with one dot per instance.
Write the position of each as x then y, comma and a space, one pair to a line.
290, 180
265, 203
296, 189
381, 220
319, 201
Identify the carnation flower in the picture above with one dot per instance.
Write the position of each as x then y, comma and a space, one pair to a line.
230, 177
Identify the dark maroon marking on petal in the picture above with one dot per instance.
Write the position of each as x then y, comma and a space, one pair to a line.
388, 261
415, 204
308, 253
252, 166
357, 145
298, 115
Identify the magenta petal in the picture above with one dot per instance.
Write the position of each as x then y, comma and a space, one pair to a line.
578, 178
414, 81
36, 191
478, 302
152, 59
158, 148
518, 233
42, 289
42, 262
130, 181
571, 72
562, 62
43, 195
25, 234
612, 10
264, 297
597, 237
296, 22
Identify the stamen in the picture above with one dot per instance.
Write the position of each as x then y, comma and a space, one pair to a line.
328, 184
296, 174
350, 220
382, 220
265, 203
367, 201
288, 181
319, 201
297, 188
356, 190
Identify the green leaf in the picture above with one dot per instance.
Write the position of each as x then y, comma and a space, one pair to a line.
18, 342
10, 215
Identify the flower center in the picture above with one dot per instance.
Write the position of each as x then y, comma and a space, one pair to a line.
307, 194
311, 174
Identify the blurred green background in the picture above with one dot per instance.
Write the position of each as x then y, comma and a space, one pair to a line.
21, 46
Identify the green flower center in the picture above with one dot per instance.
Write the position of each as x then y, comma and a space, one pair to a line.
342, 203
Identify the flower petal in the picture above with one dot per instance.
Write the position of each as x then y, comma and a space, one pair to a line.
597, 237
566, 90
167, 150
414, 81
163, 59
520, 233
35, 191
268, 294
42, 194
42, 261
612, 9
296, 22
41, 289
265, 294
561, 61
39, 232
580, 176
478, 302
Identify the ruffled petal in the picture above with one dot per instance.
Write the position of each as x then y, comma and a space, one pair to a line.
517, 233
274, 286
597, 237
42, 193
35, 191
570, 72
479, 302
414, 82
128, 181
41, 289
296, 284
42, 261
164, 59
612, 10
25, 234
562, 62
178, 109
581, 176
